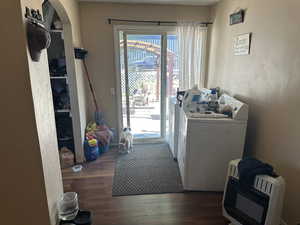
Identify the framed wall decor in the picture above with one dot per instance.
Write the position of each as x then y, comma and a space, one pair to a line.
238, 17
242, 44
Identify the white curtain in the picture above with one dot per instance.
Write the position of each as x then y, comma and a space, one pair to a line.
192, 41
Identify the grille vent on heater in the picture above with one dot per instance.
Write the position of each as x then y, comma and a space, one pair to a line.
262, 184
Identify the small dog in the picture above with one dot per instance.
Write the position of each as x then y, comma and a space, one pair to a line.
126, 142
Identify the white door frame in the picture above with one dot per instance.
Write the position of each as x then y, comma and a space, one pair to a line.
145, 29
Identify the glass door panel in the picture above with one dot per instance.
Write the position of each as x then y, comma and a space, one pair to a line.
141, 84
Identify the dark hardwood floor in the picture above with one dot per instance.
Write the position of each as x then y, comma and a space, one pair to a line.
94, 186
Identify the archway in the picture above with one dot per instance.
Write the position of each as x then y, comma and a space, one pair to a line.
71, 71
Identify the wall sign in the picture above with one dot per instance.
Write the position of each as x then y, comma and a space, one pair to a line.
237, 17
241, 45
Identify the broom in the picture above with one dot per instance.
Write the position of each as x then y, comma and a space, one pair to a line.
98, 114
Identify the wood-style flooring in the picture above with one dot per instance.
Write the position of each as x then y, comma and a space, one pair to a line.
94, 186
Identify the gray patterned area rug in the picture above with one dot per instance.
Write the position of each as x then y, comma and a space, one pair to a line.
149, 169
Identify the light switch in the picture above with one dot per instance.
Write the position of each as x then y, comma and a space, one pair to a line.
112, 91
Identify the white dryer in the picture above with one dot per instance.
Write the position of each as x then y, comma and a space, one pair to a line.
173, 128
207, 145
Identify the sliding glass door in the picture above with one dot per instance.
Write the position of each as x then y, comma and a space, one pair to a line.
143, 84
147, 68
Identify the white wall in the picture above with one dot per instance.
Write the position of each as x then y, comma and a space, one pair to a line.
268, 80
31, 174
31, 185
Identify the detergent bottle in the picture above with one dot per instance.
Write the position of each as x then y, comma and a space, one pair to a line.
213, 104
214, 95
191, 99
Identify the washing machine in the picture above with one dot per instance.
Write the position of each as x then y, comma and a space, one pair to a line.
207, 144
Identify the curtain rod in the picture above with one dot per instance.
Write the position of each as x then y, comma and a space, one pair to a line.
158, 22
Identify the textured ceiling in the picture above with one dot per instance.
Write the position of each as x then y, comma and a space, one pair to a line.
179, 2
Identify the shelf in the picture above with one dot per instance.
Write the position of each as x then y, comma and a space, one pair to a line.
62, 110
56, 31
65, 139
57, 77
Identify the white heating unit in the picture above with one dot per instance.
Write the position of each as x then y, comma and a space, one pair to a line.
260, 204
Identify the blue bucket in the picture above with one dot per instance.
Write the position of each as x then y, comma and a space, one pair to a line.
90, 153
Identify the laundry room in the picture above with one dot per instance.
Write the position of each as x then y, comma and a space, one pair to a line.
150, 112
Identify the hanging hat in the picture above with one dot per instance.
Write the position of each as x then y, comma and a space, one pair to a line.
38, 39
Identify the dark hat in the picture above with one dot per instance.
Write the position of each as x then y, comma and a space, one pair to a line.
38, 39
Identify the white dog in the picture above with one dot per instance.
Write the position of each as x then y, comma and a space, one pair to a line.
126, 142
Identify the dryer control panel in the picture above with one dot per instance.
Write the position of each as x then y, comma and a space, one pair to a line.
239, 109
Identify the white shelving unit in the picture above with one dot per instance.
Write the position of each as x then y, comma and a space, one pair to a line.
64, 93
60, 90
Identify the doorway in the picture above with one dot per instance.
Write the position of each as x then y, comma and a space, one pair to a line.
146, 80
62, 48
